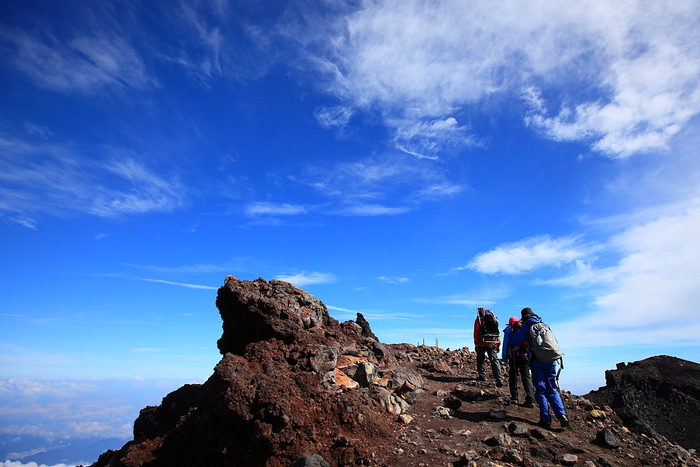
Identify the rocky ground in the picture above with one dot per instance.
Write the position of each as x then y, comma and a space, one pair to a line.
459, 421
296, 388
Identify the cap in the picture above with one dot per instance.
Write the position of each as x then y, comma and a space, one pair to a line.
525, 313
513, 319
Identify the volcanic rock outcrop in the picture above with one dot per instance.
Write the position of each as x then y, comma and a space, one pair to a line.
657, 396
294, 386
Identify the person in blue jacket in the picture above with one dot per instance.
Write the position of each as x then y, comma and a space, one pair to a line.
544, 375
518, 359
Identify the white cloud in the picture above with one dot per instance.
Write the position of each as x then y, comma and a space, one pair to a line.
651, 71
533, 253
304, 278
647, 298
620, 76
658, 280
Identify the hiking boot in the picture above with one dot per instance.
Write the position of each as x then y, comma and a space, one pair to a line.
499, 384
481, 378
529, 404
545, 425
564, 421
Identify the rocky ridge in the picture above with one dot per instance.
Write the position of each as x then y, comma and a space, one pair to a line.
295, 387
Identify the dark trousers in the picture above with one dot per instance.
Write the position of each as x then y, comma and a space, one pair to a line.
520, 364
492, 352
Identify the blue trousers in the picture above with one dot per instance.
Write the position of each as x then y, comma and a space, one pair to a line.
544, 377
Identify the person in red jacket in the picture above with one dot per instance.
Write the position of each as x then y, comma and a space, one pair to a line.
486, 344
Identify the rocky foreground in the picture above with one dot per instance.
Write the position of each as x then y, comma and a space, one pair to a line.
297, 388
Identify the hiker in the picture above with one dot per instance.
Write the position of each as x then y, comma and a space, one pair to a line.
518, 358
487, 342
544, 374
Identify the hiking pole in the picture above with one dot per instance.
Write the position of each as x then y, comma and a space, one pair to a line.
561, 367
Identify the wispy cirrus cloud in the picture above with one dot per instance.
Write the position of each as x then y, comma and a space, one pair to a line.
380, 185
57, 179
86, 63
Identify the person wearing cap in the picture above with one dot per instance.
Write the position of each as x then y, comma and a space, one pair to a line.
544, 375
518, 358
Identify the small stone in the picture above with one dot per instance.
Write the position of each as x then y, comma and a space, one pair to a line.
513, 456
497, 414
607, 439
502, 439
443, 412
405, 418
598, 414
569, 459
314, 460
518, 428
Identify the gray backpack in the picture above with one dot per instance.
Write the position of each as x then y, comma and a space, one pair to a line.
544, 344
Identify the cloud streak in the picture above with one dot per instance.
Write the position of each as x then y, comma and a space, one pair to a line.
179, 284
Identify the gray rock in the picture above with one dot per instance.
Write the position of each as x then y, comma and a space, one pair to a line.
365, 374
326, 358
501, 439
607, 439
518, 428
314, 460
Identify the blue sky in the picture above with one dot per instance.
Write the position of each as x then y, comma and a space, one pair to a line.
407, 160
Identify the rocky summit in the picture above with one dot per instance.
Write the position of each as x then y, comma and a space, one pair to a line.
295, 387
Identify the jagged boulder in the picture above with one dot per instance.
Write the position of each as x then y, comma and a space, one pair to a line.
260, 310
656, 396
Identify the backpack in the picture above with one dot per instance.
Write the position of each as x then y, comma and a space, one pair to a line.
488, 323
544, 344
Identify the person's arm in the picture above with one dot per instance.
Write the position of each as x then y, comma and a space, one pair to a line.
477, 333
506, 341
